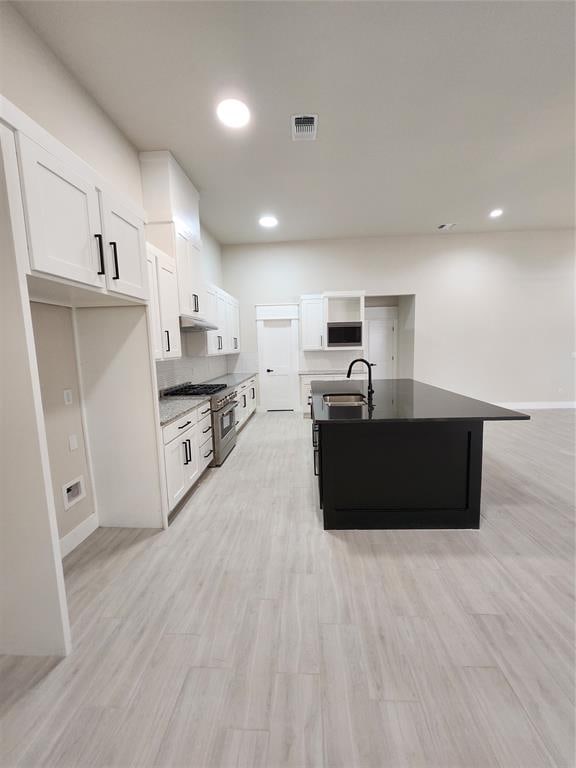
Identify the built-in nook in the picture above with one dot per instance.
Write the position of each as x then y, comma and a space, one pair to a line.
389, 335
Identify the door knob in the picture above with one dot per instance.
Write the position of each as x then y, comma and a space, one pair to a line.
269, 370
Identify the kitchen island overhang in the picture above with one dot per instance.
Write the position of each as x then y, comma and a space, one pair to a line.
410, 458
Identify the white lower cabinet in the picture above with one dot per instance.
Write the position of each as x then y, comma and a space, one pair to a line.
247, 401
188, 450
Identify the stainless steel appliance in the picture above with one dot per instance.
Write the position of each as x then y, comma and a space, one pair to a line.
223, 402
345, 334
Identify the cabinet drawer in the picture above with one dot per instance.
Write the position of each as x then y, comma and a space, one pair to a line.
204, 428
205, 453
181, 425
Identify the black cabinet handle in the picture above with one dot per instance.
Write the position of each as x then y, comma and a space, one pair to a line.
316, 473
269, 370
116, 275
220, 344
253, 393
185, 425
235, 342
196, 303
203, 413
206, 430
210, 452
102, 270
167, 340
186, 459
189, 451
244, 396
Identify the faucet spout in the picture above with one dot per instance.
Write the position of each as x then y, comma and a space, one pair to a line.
369, 366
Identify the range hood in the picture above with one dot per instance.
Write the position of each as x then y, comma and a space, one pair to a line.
196, 324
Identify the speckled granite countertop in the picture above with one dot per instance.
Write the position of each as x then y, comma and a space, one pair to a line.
172, 408
231, 379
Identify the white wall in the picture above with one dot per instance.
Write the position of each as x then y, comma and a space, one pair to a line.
211, 258
493, 312
33, 612
35, 80
57, 367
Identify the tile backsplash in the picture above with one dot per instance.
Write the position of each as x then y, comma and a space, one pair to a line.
192, 368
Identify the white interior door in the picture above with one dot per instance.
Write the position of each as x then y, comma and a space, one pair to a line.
382, 347
278, 356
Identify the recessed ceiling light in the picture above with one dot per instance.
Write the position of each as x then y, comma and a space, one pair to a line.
268, 221
233, 113
496, 213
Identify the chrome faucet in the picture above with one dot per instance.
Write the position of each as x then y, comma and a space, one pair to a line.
369, 366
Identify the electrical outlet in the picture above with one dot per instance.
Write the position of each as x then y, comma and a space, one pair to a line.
68, 397
73, 442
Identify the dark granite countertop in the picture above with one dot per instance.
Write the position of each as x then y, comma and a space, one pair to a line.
404, 400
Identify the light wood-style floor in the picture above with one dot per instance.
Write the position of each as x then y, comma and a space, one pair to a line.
248, 636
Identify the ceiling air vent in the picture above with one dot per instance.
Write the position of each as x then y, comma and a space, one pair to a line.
304, 127
445, 227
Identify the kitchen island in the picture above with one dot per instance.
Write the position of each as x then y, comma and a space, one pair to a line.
410, 456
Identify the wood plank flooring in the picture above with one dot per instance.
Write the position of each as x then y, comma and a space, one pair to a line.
247, 636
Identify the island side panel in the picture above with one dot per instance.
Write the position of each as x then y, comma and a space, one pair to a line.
379, 475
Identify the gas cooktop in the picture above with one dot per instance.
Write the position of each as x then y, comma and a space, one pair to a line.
194, 389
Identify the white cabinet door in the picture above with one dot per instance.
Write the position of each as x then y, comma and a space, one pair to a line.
168, 301
216, 344
312, 323
125, 247
252, 395
153, 304
192, 460
175, 459
229, 327
184, 263
235, 321
200, 302
62, 216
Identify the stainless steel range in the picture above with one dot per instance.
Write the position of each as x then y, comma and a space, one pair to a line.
223, 402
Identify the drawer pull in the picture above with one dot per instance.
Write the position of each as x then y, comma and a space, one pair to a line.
185, 425
206, 430
203, 413
116, 275
102, 270
210, 452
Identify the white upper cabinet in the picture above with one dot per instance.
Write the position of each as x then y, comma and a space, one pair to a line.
169, 195
154, 306
226, 339
168, 301
172, 206
124, 244
62, 217
312, 325
76, 231
164, 316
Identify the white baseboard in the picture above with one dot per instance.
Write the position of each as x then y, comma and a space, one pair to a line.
78, 534
541, 405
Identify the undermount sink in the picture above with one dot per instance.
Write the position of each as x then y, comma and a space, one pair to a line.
355, 398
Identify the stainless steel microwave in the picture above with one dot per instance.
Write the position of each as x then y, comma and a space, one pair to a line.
345, 334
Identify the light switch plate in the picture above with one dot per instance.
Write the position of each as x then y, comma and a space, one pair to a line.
73, 442
68, 397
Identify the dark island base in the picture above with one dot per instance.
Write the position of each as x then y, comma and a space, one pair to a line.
392, 475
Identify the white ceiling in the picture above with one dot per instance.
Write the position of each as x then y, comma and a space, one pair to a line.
430, 112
